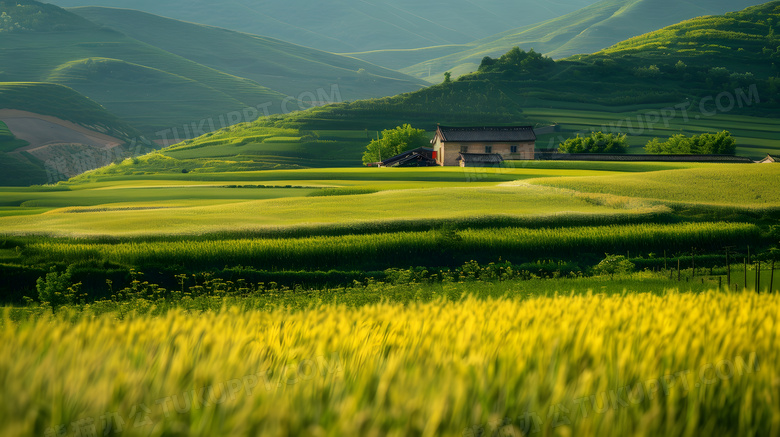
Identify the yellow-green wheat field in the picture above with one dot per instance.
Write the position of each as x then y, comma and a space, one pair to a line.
579, 365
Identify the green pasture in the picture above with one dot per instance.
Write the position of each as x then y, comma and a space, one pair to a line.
754, 185
183, 211
102, 203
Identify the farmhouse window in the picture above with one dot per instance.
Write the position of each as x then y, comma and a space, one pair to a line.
488, 149
464, 149
513, 149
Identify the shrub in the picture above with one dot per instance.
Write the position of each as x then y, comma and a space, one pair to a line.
57, 290
721, 143
614, 264
597, 142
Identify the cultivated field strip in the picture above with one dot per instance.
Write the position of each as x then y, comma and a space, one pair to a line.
402, 249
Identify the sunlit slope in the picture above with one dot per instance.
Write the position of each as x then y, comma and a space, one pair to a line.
588, 30
727, 184
181, 217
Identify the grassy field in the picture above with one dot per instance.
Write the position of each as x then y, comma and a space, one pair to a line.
753, 185
113, 202
575, 364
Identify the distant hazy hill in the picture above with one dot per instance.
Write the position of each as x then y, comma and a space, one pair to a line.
103, 64
689, 60
356, 25
42, 122
196, 73
287, 68
588, 30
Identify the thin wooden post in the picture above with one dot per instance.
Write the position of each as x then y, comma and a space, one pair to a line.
728, 267
758, 277
720, 283
745, 259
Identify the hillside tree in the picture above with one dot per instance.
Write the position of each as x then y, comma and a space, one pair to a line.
394, 142
721, 143
596, 142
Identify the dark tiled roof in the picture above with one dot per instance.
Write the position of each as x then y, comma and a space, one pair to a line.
481, 158
420, 153
546, 156
487, 134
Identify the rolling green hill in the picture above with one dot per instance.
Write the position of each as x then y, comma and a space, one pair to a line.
585, 31
65, 103
38, 54
287, 68
177, 73
356, 25
677, 71
689, 61
25, 162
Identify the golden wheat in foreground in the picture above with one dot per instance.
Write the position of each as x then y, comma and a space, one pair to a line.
644, 365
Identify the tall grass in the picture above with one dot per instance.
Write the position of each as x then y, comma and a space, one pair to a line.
402, 249
586, 365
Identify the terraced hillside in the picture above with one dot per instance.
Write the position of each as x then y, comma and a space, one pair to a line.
588, 30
